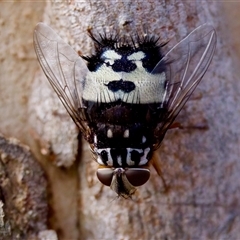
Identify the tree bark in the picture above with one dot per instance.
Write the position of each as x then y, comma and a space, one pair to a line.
200, 166
23, 196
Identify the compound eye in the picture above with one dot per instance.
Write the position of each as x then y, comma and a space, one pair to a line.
105, 176
137, 176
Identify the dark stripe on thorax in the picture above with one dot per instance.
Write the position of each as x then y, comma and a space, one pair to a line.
119, 153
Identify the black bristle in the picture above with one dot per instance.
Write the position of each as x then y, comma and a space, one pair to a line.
125, 46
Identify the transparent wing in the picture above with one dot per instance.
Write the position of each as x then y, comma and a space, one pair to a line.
65, 70
186, 63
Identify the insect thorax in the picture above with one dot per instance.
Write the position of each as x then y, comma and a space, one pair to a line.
123, 134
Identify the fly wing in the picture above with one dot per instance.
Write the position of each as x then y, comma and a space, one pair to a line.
65, 70
186, 64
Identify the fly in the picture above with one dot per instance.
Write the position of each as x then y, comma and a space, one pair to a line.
126, 96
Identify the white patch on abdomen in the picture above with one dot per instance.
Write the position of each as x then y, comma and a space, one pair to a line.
137, 56
149, 87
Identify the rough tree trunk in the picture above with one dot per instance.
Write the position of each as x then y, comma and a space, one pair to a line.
200, 166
